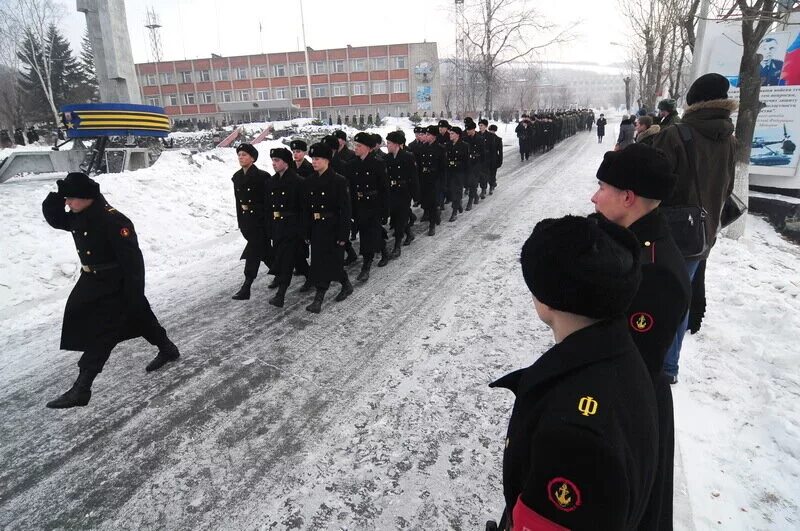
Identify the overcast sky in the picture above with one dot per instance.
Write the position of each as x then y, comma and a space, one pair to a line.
197, 28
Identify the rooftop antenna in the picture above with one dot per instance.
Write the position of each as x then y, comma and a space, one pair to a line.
153, 27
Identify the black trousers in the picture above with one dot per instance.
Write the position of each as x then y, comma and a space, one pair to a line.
251, 266
325, 284
93, 359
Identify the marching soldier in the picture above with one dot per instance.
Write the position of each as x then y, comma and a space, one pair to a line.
301, 165
248, 188
632, 184
327, 225
401, 169
415, 144
378, 139
488, 162
497, 144
443, 137
476, 164
342, 157
369, 193
581, 445
431, 161
284, 223
457, 169
108, 304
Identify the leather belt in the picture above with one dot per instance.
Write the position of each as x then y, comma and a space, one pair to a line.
94, 268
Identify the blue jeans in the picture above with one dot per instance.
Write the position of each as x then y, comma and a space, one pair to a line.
674, 351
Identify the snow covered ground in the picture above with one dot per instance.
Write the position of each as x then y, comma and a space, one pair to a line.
376, 413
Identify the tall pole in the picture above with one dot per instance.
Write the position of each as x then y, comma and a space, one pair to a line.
699, 42
308, 66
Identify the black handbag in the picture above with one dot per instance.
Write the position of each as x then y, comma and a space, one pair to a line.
688, 223
732, 210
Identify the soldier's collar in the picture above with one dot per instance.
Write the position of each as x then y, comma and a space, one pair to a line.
603, 340
651, 226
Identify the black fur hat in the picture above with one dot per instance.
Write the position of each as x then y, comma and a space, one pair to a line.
365, 138
640, 168
281, 153
79, 185
249, 149
397, 137
586, 266
708, 87
321, 150
298, 145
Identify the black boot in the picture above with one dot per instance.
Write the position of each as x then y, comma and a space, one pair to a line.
78, 395
384, 256
454, 214
363, 276
351, 256
244, 292
167, 352
307, 286
279, 297
425, 216
274, 284
396, 251
409, 236
491, 189
432, 229
316, 306
347, 289
483, 193
469, 204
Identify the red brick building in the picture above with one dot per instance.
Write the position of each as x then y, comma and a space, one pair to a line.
387, 80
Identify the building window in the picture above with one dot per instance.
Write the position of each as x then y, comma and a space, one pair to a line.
186, 77
280, 93
155, 101
260, 71
318, 67
380, 63
206, 97
188, 98
358, 65
339, 89
278, 70
173, 99
300, 91
297, 69
226, 96
241, 72
320, 91
379, 87
337, 67
167, 78
223, 75
151, 79
359, 89
205, 75
399, 62
262, 94
399, 85
244, 95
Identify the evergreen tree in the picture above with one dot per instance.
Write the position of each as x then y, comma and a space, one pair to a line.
90, 89
377, 119
339, 119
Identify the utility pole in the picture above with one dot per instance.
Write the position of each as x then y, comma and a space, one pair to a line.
308, 66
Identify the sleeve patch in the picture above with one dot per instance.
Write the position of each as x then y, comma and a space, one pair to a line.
641, 322
124, 232
526, 519
564, 494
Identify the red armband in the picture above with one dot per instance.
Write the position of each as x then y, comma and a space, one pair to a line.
524, 518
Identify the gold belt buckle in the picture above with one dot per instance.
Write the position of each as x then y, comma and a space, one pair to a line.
394, 183
86, 268
245, 207
317, 215
359, 195
276, 215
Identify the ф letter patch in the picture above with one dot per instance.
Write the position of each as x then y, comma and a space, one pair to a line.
564, 494
641, 322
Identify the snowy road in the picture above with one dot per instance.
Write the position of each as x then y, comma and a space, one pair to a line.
374, 414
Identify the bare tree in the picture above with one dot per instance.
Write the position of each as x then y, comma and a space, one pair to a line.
27, 24
501, 32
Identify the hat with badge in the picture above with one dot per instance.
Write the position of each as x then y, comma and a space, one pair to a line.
396, 137
640, 168
378, 139
483, 121
331, 141
586, 266
443, 123
320, 150
78, 185
340, 135
364, 138
492, 128
455, 129
249, 149
432, 130
299, 145
469, 126
281, 153
418, 130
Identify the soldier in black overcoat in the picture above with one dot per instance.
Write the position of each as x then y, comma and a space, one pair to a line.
580, 450
457, 170
476, 162
248, 189
431, 163
378, 139
19, 137
327, 217
369, 195
302, 166
525, 132
633, 182
601, 128
108, 304
497, 144
284, 223
489, 161
401, 170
